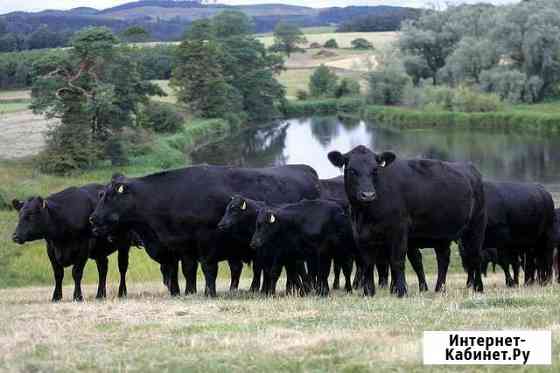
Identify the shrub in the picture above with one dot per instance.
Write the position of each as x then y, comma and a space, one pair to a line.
361, 43
4, 203
347, 87
315, 45
469, 101
323, 82
161, 117
508, 84
331, 44
302, 95
386, 86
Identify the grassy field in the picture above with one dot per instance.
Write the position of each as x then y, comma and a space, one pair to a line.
344, 40
152, 332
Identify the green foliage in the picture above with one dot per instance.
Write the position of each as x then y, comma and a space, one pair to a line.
135, 34
95, 90
331, 44
361, 44
469, 101
232, 23
461, 99
508, 84
302, 95
160, 117
327, 106
347, 87
387, 86
4, 202
201, 29
228, 74
323, 82
470, 58
287, 38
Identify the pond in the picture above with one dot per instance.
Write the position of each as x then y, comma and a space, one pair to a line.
499, 155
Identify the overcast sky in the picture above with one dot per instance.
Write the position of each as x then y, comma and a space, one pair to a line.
36, 5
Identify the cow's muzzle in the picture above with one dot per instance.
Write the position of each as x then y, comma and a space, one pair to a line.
367, 196
17, 239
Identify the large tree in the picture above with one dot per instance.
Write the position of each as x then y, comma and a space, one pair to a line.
95, 90
287, 38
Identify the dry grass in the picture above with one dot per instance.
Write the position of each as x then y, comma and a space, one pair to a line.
151, 331
344, 40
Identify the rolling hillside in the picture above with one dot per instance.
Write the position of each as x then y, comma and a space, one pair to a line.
166, 20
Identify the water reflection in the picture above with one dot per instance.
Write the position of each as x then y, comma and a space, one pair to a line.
499, 155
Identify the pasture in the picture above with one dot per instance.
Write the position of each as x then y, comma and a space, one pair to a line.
344, 39
151, 331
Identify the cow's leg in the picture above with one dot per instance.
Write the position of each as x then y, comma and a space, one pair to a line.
58, 271
347, 264
368, 265
210, 271
382, 265
545, 254
304, 276
77, 273
164, 269
189, 266
529, 267
472, 240
265, 290
275, 273
337, 270
504, 257
123, 268
235, 267
359, 275
173, 276
257, 272
312, 270
397, 256
443, 254
415, 259
102, 265
324, 271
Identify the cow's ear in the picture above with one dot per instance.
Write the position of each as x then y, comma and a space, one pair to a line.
17, 204
121, 188
385, 159
338, 159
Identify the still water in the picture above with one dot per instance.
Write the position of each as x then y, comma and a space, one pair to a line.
498, 155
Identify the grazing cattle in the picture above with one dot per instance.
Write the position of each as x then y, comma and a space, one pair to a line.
394, 202
521, 222
61, 220
557, 244
176, 213
317, 231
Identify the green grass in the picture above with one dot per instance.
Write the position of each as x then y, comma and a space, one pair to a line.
13, 106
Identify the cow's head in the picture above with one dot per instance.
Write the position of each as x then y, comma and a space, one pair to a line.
362, 170
267, 226
116, 202
240, 213
33, 221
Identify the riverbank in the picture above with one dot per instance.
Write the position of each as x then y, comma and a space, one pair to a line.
522, 118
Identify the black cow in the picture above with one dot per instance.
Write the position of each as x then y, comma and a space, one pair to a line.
176, 213
557, 244
521, 223
61, 220
316, 230
396, 201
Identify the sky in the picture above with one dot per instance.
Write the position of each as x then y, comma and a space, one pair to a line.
37, 5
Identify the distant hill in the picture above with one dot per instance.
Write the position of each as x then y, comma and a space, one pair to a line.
167, 20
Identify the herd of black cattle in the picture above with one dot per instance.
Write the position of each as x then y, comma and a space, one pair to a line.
382, 210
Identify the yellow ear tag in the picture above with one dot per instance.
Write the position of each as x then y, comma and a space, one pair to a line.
120, 190
272, 219
244, 206
383, 164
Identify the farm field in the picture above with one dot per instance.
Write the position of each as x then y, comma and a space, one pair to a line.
151, 331
344, 39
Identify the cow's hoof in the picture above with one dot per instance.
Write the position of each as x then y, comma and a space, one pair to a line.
440, 288
400, 291
423, 287
56, 299
78, 298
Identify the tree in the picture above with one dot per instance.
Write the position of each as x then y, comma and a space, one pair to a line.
347, 87
471, 58
95, 90
201, 29
232, 23
331, 44
429, 39
386, 86
43, 38
361, 43
323, 82
135, 34
199, 79
287, 37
